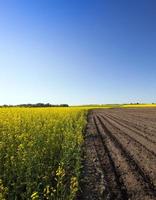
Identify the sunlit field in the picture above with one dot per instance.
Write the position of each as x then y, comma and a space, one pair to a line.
139, 105
40, 151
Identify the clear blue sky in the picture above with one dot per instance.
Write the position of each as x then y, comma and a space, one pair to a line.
77, 51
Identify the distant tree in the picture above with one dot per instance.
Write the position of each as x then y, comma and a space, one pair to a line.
64, 105
37, 105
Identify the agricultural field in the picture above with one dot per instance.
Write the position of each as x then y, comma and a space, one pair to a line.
40, 152
120, 152
55, 154
138, 106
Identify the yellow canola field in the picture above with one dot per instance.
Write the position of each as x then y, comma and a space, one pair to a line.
40, 152
139, 106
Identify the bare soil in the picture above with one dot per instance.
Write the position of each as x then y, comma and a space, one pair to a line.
120, 155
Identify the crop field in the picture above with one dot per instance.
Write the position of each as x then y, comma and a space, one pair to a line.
53, 153
40, 151
120, 152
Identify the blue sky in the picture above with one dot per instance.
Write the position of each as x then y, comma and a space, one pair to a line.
77, 52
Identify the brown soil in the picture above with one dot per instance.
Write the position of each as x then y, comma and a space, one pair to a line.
120, 155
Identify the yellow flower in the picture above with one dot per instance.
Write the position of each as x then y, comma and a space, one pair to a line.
60, 172
35, 196
73, 185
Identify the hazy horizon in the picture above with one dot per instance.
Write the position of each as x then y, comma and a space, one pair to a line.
77, 52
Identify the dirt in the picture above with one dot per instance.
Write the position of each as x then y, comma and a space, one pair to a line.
119, 161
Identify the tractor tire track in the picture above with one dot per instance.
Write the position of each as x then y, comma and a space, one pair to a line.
119, 161
115, 184
145, 133
135, 187
138, 151
145, 139
144, 178
119, 127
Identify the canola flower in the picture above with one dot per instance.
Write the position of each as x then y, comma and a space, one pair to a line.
40, 151
35, 196
73, 186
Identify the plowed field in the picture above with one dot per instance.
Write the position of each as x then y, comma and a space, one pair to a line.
120, 155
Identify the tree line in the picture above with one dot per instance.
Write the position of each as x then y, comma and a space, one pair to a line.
36, 105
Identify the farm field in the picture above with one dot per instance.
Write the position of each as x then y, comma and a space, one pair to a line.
120, 154
50, 153
40, 152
